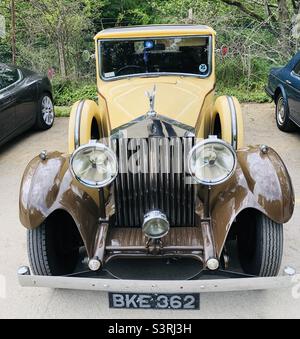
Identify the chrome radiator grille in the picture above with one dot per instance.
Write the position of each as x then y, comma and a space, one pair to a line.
153, 176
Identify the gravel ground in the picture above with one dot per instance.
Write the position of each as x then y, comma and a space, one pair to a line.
46, 303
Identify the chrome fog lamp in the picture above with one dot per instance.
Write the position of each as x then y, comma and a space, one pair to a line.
94, 165
212, 264
94, 264
156, 225
212, 162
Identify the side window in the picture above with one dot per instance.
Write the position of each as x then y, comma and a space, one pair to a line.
8, 76
297, 69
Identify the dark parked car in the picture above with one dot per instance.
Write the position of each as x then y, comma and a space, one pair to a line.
284, 88
25, 101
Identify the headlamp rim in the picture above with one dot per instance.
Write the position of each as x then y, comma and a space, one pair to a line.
207, 142
102, 147
155, 214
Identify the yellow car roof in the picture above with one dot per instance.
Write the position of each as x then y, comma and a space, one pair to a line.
154, 31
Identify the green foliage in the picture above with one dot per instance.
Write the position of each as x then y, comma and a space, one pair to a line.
62, 111
246, 82
54, 33
259, 95
67, 92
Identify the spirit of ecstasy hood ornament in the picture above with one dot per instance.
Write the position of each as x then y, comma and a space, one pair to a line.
151, 95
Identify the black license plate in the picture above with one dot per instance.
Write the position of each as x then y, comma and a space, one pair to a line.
154, 301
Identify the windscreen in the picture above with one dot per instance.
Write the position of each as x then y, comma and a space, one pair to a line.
184, 55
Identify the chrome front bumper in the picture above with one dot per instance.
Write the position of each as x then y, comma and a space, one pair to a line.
154, 286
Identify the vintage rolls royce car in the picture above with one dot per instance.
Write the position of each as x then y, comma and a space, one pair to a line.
157, 169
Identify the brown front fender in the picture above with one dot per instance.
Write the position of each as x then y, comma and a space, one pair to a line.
48, 186
261, 182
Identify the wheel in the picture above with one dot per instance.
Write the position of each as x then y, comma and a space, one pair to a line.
260, 245
53, 248
45, 113
282, 115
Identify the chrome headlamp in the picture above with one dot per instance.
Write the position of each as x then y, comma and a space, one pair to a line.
212, 162
94, 165
156, 225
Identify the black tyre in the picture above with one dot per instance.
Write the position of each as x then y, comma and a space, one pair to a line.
260, 245
53, 248
283, 115
45, 113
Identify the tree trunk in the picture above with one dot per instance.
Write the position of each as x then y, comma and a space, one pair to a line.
62, 58
284, 25
298, 30
13, 32
267, 9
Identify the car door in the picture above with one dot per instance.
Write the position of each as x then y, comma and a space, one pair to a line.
293, 93
8, 78
26, 100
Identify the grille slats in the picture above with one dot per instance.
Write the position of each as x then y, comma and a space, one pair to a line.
158, 183
124, 182
191, 194
141, 183
171, 189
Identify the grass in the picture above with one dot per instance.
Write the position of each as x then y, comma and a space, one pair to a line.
257, 96
62, 111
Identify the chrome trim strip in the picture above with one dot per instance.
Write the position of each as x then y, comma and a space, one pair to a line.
152, 27
234, 125
177, 124
115, 131
190, 131
295, 75
77, 124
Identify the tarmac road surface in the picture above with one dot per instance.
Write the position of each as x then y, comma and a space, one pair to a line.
17, 302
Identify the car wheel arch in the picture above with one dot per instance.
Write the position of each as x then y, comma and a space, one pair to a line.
54, 246
237, 224
42, 93
217, 127
40, 198
244, 214
85, 116
280, 90
258, 243
66, 218
284, 123
277, 93
247, 189
227, 112
95, 130
47, 93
